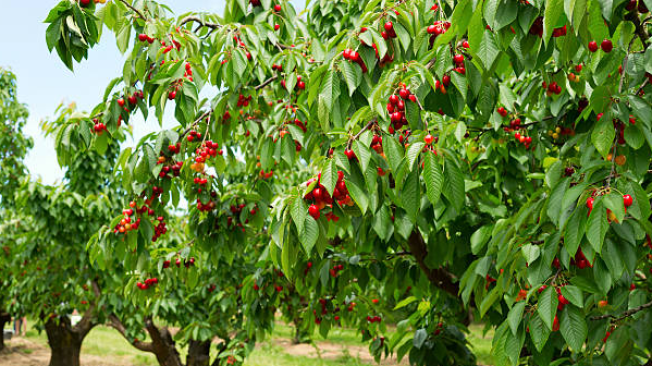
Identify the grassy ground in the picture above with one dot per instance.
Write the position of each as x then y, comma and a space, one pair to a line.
342, 348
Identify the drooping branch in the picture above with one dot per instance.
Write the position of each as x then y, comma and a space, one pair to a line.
357, 135
624, 315
116, 324
439, 277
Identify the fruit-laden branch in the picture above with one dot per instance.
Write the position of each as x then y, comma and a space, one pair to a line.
134, 9
439, 277
117, 325
624, 315
194, 124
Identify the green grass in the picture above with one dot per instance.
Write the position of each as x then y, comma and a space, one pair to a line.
105, 342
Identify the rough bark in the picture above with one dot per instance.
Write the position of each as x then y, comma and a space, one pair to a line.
65, 341
162, 345
4, 319
199, 353
439, 277
65, 344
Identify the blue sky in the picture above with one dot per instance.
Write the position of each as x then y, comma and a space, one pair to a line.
44, 82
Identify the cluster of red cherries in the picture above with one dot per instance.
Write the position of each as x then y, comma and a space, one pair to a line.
354, 56
396, 108
552, 88
150, 282
320, 197
98, 127
186, 262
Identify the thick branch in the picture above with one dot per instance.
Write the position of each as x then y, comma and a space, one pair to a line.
438, 277
134, 9
117, 325
624, 315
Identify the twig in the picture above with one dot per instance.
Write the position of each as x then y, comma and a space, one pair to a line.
624, 315
194, 124
638, 92
192, 18
266, 82
357, 135
134, 9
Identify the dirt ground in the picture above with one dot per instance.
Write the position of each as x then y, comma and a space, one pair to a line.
332, 351
23, 352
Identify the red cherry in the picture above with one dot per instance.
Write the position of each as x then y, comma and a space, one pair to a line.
393, 99
389, 27
142, 37
277, 27
277, 7
628, 200
446, 80
404, 93
465, 44
121, 102
593, 46
428, 139
606, 46
432, 29
313, 211
172, 95
84, 3
589, 203
458, 58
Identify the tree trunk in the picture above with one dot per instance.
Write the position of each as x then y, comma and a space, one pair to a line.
65, 344
4, 319
199, 353
299, 335
165, 348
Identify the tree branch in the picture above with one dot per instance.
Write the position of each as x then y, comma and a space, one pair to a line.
192, 18
438, 277
86, 323
266, 82
624, 315
133, 9
357, 135
117, 325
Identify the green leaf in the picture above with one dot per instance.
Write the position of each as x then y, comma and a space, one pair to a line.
548, 306
597, 226
554, 9
329, 176
603, 135
538, 332
453, 185
515, 316
299, 211
488, 50
573, 327
420, 337
531, 252
308, 236
574, 232
394, 152
411, 195
480, 237
573, 294
433, 177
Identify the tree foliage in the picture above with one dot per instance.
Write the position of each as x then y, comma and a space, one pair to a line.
405, 162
